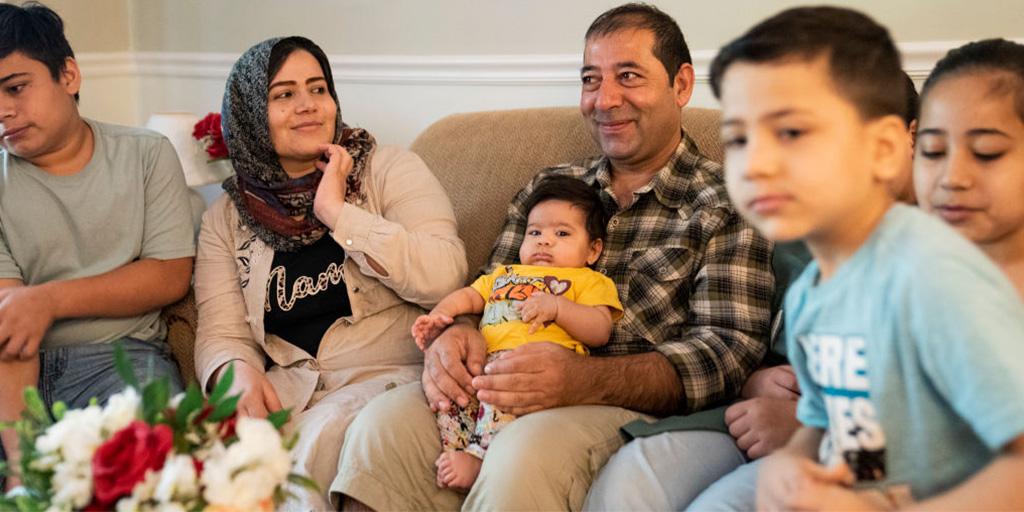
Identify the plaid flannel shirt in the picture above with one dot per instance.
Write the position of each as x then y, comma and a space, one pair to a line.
694, 278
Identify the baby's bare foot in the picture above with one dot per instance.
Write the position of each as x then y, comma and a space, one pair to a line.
457, 470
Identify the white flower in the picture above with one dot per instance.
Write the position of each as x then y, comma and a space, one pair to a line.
121, 409
247, 472
72, 484
66, 448
141, 493
75, 437
177, 480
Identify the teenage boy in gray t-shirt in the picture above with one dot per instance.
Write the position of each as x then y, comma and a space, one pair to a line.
95, 230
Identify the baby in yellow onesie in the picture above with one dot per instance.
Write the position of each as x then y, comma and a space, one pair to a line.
553, 296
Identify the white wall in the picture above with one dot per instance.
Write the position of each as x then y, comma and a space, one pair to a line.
402, 64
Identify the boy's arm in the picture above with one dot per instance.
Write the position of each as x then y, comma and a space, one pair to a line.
997, 486
15, 376
805, 442
590, 325
26, 312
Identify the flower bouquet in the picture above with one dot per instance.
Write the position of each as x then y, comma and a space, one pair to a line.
145, 450
208, 132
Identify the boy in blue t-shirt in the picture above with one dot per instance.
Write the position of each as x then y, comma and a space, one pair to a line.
905, 338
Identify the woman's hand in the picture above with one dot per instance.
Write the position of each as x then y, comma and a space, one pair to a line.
330, 195
258, 396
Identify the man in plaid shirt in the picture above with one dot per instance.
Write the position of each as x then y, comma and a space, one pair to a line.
695, 281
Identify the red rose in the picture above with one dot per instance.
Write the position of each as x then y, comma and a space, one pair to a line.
206, 125
208, 130
123, 460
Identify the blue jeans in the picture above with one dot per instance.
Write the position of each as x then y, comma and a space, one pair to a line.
76, 374
663, 472
736, 491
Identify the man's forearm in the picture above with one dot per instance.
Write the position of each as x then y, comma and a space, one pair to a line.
134, 289
645, 383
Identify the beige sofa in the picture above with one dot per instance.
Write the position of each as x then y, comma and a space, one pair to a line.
482, 159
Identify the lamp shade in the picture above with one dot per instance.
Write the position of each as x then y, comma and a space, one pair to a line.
177, 127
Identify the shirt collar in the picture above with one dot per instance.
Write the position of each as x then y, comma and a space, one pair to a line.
671, 184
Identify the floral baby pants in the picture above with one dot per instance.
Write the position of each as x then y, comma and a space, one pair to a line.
471, 428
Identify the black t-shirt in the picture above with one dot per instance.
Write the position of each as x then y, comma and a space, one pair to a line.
306, 294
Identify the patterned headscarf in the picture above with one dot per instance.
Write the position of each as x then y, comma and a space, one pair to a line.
265, 196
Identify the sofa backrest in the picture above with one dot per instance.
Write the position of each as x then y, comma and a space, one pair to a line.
483, 158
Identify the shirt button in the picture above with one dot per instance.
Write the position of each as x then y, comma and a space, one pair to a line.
614, 222
359, 202
663, 270
348, 242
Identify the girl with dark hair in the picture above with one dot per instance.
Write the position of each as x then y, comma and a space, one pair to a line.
969, 168
313, 267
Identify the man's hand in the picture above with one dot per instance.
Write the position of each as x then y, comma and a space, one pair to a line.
539, 309
787, 481
775, 382
26, 312
533, 377
330, 194
426, 328
762, 425
449, 365
258, 395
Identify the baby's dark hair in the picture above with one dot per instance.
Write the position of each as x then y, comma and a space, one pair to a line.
999, 56
36, 31
863, 61
576, 193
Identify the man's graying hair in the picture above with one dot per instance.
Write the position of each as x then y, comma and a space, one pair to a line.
669, 44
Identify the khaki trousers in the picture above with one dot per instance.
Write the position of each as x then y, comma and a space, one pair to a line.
541, 461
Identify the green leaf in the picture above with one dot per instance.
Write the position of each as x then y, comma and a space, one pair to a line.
124, 367
279, 418
303, 481
192, 403
223, 384
155, 397
291, 441
224, 409
59, 408
35, 408
27, 504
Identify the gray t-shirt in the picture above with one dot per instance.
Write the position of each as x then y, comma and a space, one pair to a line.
128, 203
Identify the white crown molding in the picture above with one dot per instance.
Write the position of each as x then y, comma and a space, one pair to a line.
540, 69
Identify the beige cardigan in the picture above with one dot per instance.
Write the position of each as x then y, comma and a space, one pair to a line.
406, 224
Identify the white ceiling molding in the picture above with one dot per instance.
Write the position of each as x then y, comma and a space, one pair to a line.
540, 69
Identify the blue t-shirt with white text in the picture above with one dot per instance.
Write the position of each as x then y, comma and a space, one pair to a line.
911, 357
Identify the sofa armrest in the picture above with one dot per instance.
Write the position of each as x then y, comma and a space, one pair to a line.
180, 319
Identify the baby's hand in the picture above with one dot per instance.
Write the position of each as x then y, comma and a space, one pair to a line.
539, 309
428, 327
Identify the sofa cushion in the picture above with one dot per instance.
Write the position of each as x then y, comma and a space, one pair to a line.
482, 159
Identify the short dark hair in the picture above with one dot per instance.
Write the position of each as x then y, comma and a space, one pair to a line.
669, 44
987, 55
285, 47
577, 193
864, 64
913, 100
36, 31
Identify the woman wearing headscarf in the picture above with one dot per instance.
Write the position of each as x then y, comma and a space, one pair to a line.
313, 267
